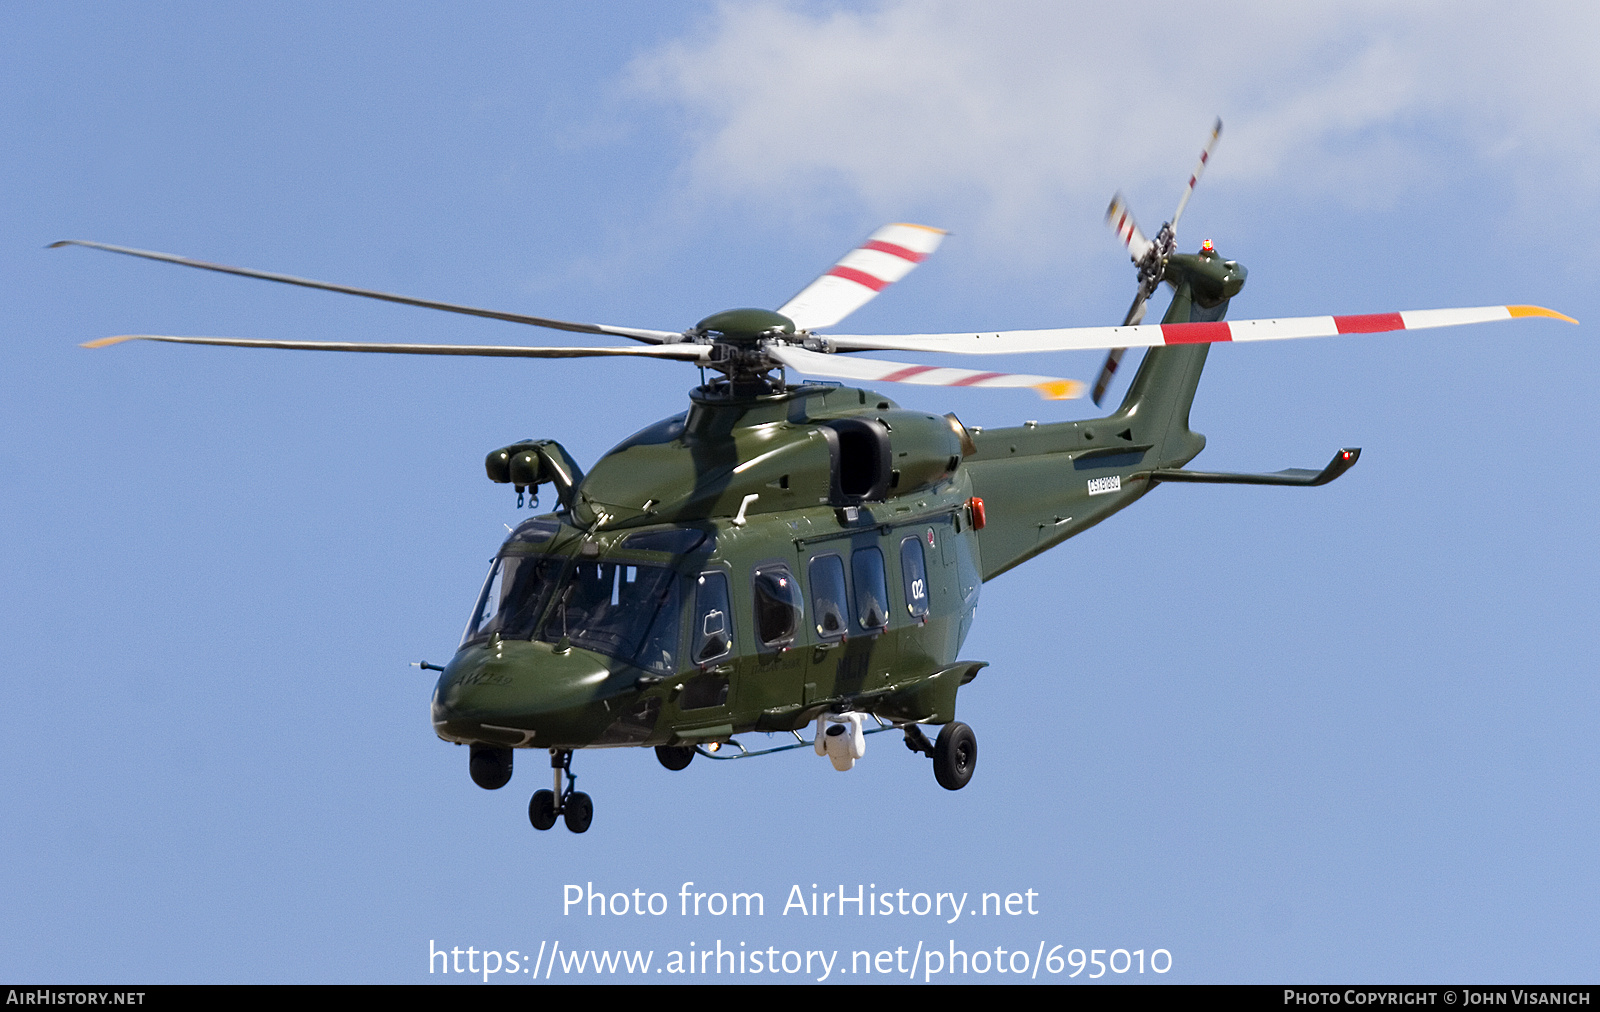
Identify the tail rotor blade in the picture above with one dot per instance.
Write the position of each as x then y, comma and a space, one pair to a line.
1136, 311
1108, 372
1121, 221
1200, 167
1150, 256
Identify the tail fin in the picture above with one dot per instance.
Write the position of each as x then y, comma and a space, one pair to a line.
1156, 408
1044, 494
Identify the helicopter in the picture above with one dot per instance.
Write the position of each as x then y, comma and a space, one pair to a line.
785, 556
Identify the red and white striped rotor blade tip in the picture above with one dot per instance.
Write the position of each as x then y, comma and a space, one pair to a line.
887, 256
1128, 232
1157, 334
872, 370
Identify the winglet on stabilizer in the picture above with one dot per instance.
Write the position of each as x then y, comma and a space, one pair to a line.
1342, 461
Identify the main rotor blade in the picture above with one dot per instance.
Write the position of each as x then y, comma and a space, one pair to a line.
647, 336
887, 256
1158, 334
873, 370
1200, 167
682, 352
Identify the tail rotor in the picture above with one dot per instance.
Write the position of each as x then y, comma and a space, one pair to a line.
1149, 256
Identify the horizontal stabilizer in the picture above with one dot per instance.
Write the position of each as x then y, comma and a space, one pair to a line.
1342, 461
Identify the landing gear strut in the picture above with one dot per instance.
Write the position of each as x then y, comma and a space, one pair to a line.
954, 755
916, 741
572, 805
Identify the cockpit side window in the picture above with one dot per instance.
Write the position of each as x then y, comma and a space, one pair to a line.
713, 618
490, 599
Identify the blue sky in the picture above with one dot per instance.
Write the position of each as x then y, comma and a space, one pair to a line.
1345, 733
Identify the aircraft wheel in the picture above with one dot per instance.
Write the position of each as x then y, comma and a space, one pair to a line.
542, 809
675, 757
955, 756
578, 811
490, 766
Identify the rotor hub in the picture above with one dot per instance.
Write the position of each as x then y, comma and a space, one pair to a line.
737, 338
745, 326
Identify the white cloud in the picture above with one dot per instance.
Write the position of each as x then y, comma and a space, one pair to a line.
1007, 108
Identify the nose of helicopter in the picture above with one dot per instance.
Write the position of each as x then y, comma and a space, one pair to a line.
514, 692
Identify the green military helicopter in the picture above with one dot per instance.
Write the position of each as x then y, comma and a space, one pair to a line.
786, 555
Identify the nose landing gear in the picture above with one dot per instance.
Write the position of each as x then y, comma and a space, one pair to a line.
571, 805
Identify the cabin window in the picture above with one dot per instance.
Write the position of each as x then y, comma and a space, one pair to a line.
713, 623
778, 606
830, 600
872, 589
914, 571
969, 577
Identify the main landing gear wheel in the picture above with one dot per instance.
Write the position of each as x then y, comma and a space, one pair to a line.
542, 810
675, 757
955, 756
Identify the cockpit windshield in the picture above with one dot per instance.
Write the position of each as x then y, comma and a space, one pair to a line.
625, 611
514, 596
619, 609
